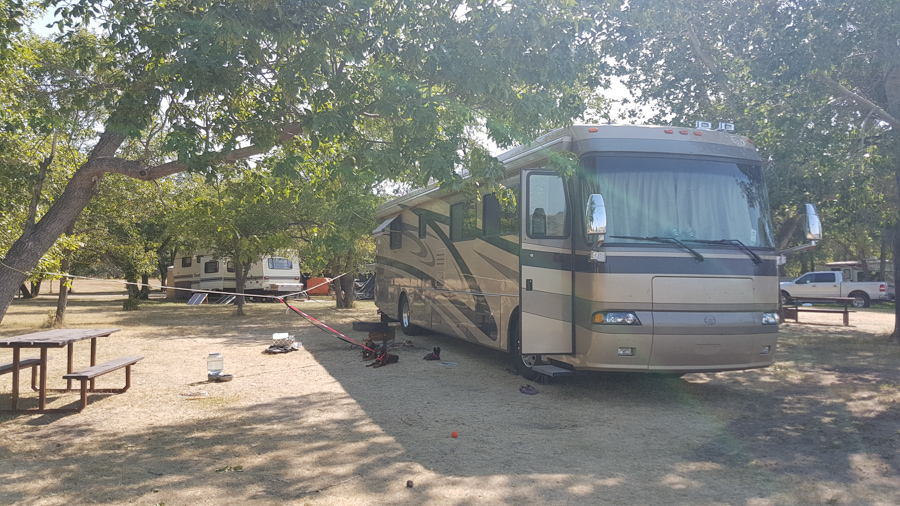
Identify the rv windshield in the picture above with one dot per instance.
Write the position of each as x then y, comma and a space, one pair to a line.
684, 199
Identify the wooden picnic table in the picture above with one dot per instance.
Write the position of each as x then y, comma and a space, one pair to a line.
795, 307
58, 338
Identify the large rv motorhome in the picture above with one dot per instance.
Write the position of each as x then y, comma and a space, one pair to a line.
658, 256
202, 271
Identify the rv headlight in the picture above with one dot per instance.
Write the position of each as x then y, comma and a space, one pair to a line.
616, 318
770, 319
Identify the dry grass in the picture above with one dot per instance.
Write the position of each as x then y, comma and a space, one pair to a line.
316, 427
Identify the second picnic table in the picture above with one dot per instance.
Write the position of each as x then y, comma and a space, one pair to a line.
794, 308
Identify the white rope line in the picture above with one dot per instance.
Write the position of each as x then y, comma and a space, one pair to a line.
161, 287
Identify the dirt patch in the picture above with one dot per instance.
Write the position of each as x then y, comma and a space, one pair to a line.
317, 427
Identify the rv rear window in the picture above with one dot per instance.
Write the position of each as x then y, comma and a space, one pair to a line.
211, 267
185, 261
280, 263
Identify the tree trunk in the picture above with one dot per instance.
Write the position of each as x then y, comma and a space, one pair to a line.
145, 287
344, 293
165, 256
894, 334
27, 251
131, 277
240, 282
62, 300
36, 288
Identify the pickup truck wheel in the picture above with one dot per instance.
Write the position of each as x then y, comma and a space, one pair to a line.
859, 299
785, 298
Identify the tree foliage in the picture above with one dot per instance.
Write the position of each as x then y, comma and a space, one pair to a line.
402, 85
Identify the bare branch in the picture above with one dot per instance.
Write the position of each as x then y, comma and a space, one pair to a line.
863, 103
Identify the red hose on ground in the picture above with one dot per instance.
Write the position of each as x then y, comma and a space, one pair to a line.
324, 327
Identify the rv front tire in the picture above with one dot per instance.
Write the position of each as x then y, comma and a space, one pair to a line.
521, 363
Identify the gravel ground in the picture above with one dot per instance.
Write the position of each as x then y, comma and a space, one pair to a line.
317, 427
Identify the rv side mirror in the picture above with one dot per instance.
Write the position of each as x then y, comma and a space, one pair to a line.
813, 224
595, 216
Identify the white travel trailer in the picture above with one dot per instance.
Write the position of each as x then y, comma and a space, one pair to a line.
657, 256
273, 275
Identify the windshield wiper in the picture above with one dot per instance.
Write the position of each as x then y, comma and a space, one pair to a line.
733, 242
669, 240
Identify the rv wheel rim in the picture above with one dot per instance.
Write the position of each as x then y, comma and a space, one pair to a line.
529, 360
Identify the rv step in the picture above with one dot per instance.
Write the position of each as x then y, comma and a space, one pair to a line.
545, 372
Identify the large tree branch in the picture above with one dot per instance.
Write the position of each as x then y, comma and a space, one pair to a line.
863, 103
139, 170
709, 63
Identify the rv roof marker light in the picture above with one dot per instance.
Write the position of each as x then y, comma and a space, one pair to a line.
698, 134
670, 131
683, 132
593, 130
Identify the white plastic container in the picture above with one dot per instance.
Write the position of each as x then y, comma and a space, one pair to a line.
214, 364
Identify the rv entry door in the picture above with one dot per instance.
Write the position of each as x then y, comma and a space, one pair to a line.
545, 265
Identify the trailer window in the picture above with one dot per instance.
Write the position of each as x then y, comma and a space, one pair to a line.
185, 261
229, 266
280, 263
464, 221
397, 233
211, 267
501, 213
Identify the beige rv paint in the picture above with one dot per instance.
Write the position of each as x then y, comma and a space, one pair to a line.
692, 290
674, 334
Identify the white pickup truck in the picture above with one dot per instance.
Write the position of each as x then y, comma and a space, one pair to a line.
832, 284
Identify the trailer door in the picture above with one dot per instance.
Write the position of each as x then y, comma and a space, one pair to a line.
545, 265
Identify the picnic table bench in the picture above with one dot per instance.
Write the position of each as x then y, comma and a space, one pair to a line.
33, 363
795, 307
92, 372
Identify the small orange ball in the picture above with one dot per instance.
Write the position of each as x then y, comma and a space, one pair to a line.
454, 434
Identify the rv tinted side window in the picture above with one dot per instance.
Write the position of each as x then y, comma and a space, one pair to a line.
501, 216
396, 233
546, 206
464, 221
422, 231
211, 267
280, 263
185, 261
229, 266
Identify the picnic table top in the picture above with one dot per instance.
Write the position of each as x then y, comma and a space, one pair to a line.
56, 338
